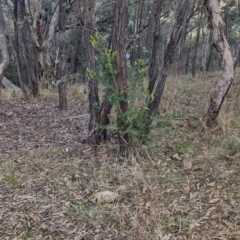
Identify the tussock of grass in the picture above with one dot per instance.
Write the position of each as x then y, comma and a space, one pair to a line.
183, 185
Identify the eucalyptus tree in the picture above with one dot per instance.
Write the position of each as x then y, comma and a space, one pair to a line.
118, 47
26, 53
155, 60
168, 58
221, 45
44, 25
92, 82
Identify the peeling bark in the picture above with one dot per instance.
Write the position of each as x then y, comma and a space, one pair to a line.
221, 45
43, 38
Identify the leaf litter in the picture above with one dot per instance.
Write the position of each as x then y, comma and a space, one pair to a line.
49, 177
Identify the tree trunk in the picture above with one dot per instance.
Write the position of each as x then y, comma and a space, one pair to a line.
221, 45
173, 17
61, 61
227, 18
155, 61
132, 57
42, 35
3, 46
168, 57
204, 50
140, 26
187, 61
237, 61
196, 44
92, 82
24, 48
210, 57
118, 47
103, 121
76, 50
181, 44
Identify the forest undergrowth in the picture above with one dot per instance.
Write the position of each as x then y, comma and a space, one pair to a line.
183, 184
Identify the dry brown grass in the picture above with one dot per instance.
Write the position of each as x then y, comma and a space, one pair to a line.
183, 185
77, 91
9, 95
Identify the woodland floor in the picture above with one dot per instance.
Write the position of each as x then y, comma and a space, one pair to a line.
184, 185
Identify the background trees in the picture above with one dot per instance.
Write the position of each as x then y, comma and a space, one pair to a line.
53, 42
3, 45
131, 70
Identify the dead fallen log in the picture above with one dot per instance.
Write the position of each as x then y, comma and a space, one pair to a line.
10, 86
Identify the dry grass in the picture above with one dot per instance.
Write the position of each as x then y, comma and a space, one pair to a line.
77, 91
183, 185
8, 95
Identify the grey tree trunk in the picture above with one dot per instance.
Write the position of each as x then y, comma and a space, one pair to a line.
222, 47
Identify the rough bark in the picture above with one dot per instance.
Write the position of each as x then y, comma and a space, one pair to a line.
92, 82
222, 47
103, 121
76, 50
3, 46
121, 75
204, 50
168, 57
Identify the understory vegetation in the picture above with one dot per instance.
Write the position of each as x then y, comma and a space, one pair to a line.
182, 184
